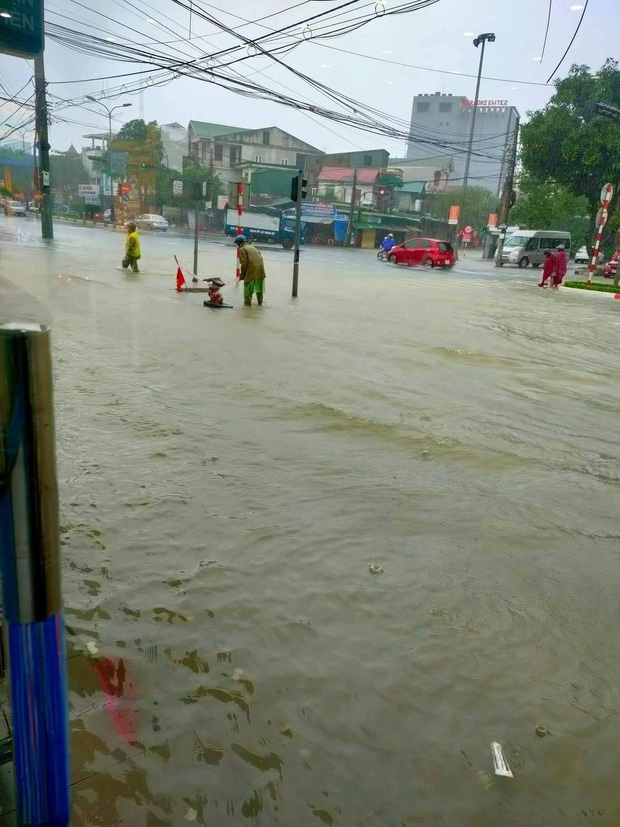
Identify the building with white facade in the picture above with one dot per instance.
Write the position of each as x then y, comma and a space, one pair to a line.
441, 125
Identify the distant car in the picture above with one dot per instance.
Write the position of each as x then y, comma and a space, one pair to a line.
14, 208
581, 256
429, 252
151, 222
610, 270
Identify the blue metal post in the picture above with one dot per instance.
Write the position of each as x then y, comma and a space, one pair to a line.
30, 574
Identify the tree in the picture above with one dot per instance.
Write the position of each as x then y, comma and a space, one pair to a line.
551, 206
479, 203
142, 143
67, 173
569, 144
192, 172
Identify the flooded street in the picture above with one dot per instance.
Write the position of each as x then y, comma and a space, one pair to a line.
226, 480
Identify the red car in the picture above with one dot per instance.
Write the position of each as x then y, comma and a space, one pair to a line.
611, 268
429, 252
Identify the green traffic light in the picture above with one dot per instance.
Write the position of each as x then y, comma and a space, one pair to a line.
143, 165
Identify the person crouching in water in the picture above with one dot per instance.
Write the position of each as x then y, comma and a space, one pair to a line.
132, 248
561, 265
252, 271
550, 268
215, 297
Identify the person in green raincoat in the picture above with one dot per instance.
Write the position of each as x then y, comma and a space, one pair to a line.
252, 270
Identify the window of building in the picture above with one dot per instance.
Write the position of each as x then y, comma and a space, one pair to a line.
445, 107
258, 159
204, 152
330, 192
284, 162
266, 137
218, 152
367, 160
423, 106
235, 155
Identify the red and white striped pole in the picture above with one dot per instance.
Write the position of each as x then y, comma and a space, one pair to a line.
239, 227
601, 219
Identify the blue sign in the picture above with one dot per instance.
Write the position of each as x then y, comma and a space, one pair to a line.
317, 210
124, 198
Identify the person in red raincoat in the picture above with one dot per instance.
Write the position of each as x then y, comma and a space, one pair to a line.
562, 264
550, 268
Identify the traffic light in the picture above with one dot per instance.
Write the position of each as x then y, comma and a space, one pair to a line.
295, 188
143, 165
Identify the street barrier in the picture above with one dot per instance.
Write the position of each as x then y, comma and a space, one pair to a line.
30, 576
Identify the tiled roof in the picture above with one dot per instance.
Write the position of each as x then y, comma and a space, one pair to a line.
214, 130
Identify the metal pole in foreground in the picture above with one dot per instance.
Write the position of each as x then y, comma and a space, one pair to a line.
30, 571
196, 230
239, 227
482, 38
300, 175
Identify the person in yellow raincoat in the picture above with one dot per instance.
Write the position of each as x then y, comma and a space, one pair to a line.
132, 248
252, 271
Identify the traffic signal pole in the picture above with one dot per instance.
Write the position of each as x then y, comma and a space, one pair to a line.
300, 176
44, 183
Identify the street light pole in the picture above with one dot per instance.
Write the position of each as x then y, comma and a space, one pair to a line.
109, 111
481, 39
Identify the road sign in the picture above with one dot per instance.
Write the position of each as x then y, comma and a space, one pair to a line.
92, 199
453, 217
492, 222
125, 188
607, 193
204, 189
602, 216
124, 198
21, 27
88, 189
468, 229
177, 187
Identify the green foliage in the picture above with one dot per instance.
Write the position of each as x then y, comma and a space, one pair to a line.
595, 287
142, 143
479, 203
192, 172
66, 173
551, 206
567, 142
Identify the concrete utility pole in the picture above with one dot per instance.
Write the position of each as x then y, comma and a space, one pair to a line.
44, 184
481, 39
347, 240
504, 212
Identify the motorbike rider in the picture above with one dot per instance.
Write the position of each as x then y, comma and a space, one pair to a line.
387, 243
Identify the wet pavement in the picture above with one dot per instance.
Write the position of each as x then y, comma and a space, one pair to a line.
227, 478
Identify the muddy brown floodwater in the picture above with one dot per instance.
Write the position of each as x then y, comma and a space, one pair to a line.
228, 477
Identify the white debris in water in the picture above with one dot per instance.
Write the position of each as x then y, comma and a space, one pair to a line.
237, 674
500, 763
375, 568
91, 646
191, 814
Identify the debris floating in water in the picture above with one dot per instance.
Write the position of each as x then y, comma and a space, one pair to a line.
91, 646
500, 764
541, 731
375, 568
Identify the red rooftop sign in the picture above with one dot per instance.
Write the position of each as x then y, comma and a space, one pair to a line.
467, 102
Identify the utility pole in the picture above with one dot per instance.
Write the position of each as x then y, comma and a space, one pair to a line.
502, 219
347, 240
300, 178
481, 39
47, 223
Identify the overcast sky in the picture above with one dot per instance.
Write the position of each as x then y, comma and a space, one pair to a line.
432, 38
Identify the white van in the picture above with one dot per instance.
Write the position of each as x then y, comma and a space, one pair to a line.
525, 247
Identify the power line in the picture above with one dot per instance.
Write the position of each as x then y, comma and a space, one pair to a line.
583, 13
542, 54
